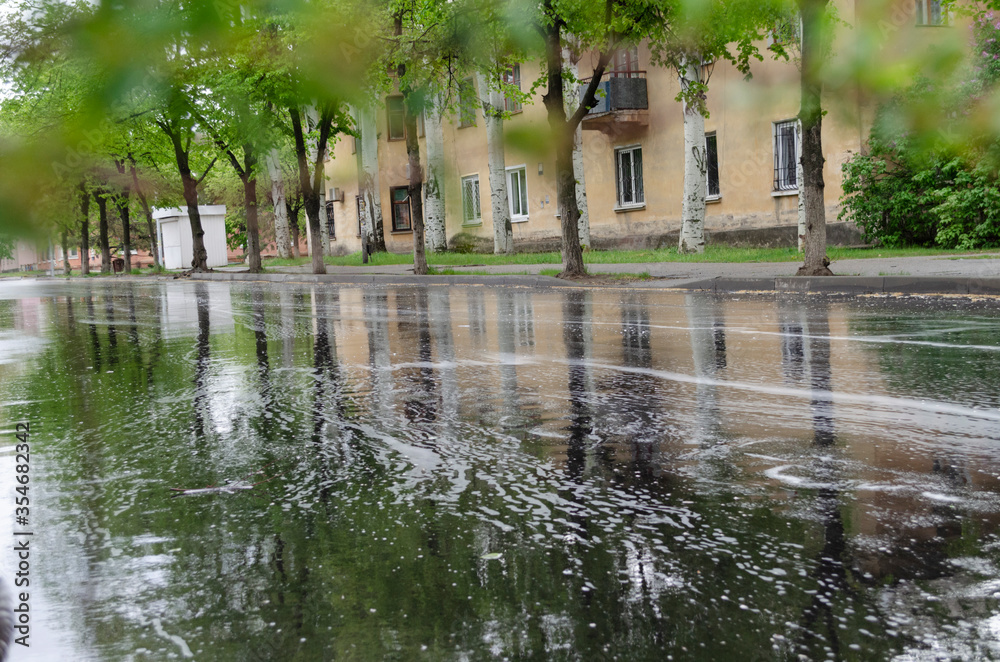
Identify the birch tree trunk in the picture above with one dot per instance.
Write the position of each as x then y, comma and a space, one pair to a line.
572, 101
324, 222
811, 115
282, 238
434, 220
370, 184
503, 232
692, 239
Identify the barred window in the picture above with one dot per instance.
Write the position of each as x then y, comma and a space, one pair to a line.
471, 211
329, 220
785, 155
929, 13
628, 163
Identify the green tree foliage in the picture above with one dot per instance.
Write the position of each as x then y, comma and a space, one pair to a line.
939, 188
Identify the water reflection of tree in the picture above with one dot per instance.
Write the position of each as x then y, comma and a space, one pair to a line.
328, 402
201, 402
109, 314
420, 405
820, 619
708, 353
580, 425
376, 305
439, 311
95, 341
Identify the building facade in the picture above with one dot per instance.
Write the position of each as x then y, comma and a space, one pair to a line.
632, 152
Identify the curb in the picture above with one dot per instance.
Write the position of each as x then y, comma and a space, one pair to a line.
384, 279
944, 285
852, 285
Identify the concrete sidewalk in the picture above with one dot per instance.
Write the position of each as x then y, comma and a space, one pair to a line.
944, 275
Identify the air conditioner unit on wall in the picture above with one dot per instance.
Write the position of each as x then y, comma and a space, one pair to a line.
336, 194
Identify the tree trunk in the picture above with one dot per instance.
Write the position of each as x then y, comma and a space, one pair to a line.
150, 225
281, 236
316, 150
65, 251
324, 222
562, 135
84, 230
370, 183
122, 204
692, 238
572, 252
811, 116
503, 232
293, 224
199, 262
415, 187
572, 102
583, 224
154, 241
310, 200
250, 202
798, 181
102, 210
310, 196
437, 234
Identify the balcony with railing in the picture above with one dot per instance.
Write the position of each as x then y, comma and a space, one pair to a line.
621, 99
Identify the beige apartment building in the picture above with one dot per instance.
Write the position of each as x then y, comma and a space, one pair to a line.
632, 145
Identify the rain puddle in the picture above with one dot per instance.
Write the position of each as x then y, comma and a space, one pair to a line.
474, 473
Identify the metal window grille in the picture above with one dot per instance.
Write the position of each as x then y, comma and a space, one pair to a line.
629, 166
929, 12
471, 211
785, 156
712, 163
329, 220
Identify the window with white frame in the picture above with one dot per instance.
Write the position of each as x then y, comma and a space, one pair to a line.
713, 190
785, 155
929, 13
74, 253
517, 193
472, 214
628, 166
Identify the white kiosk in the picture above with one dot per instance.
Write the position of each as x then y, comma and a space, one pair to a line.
173, 227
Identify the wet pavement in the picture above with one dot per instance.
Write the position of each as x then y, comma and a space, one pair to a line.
502, 473
983, 265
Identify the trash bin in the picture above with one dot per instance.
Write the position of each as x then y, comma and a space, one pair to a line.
118, 265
